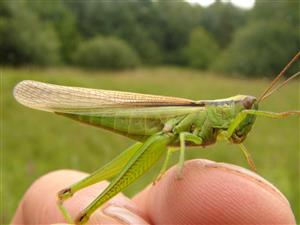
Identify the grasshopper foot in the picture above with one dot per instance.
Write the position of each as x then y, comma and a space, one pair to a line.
61, 197
179, 174
64, 194
82, 218
158, 178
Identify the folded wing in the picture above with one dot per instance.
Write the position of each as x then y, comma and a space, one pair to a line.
56, 98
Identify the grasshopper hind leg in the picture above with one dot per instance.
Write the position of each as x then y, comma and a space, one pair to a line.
144, 158
107, 171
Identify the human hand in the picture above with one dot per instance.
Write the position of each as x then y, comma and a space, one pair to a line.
209, 193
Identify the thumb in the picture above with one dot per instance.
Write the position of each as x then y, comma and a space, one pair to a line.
214, 193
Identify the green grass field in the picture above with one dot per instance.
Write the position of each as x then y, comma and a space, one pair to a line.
36, 142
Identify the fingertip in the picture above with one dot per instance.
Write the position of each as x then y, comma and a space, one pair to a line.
38, 205
213, 192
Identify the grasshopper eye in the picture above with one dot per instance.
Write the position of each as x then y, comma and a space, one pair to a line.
248, 102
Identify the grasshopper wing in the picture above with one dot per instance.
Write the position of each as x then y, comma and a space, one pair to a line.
56, 98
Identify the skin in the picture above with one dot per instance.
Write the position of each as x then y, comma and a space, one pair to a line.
209, 193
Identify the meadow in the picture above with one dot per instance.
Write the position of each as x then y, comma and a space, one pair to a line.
35, 143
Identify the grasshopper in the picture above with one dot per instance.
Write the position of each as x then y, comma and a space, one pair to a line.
156, 122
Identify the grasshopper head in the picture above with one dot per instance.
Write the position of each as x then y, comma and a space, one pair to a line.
244, 103
249, 102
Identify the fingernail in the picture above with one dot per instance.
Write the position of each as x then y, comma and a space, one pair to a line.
123, 215
251, 176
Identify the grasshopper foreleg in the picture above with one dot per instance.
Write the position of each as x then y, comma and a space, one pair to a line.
239, 118
273, 115
248, 157
242, 115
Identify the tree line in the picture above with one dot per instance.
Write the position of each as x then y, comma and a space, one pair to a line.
126, 34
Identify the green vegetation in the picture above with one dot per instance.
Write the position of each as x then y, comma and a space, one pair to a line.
23, 46
201, 49
107, 53
250, 42
37, 142
255, 52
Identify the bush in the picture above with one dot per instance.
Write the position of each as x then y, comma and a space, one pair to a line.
62, 20
201, 49
24, 39
222, 20
107, 53
261, 48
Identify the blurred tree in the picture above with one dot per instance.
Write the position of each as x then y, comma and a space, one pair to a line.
106, 53
267, 43
62, 19
23, 38
201, 49
157, 30
160, 32
287, 11
261, 48
123, 19
222, 20
171, 27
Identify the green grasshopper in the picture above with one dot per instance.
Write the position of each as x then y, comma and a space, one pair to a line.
156, 122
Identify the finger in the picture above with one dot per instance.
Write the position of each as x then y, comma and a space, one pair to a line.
214, 193
38, 205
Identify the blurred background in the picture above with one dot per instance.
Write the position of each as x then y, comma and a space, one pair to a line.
199, 49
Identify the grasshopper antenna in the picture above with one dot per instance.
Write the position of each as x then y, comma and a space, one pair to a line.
280, 86
268, 91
